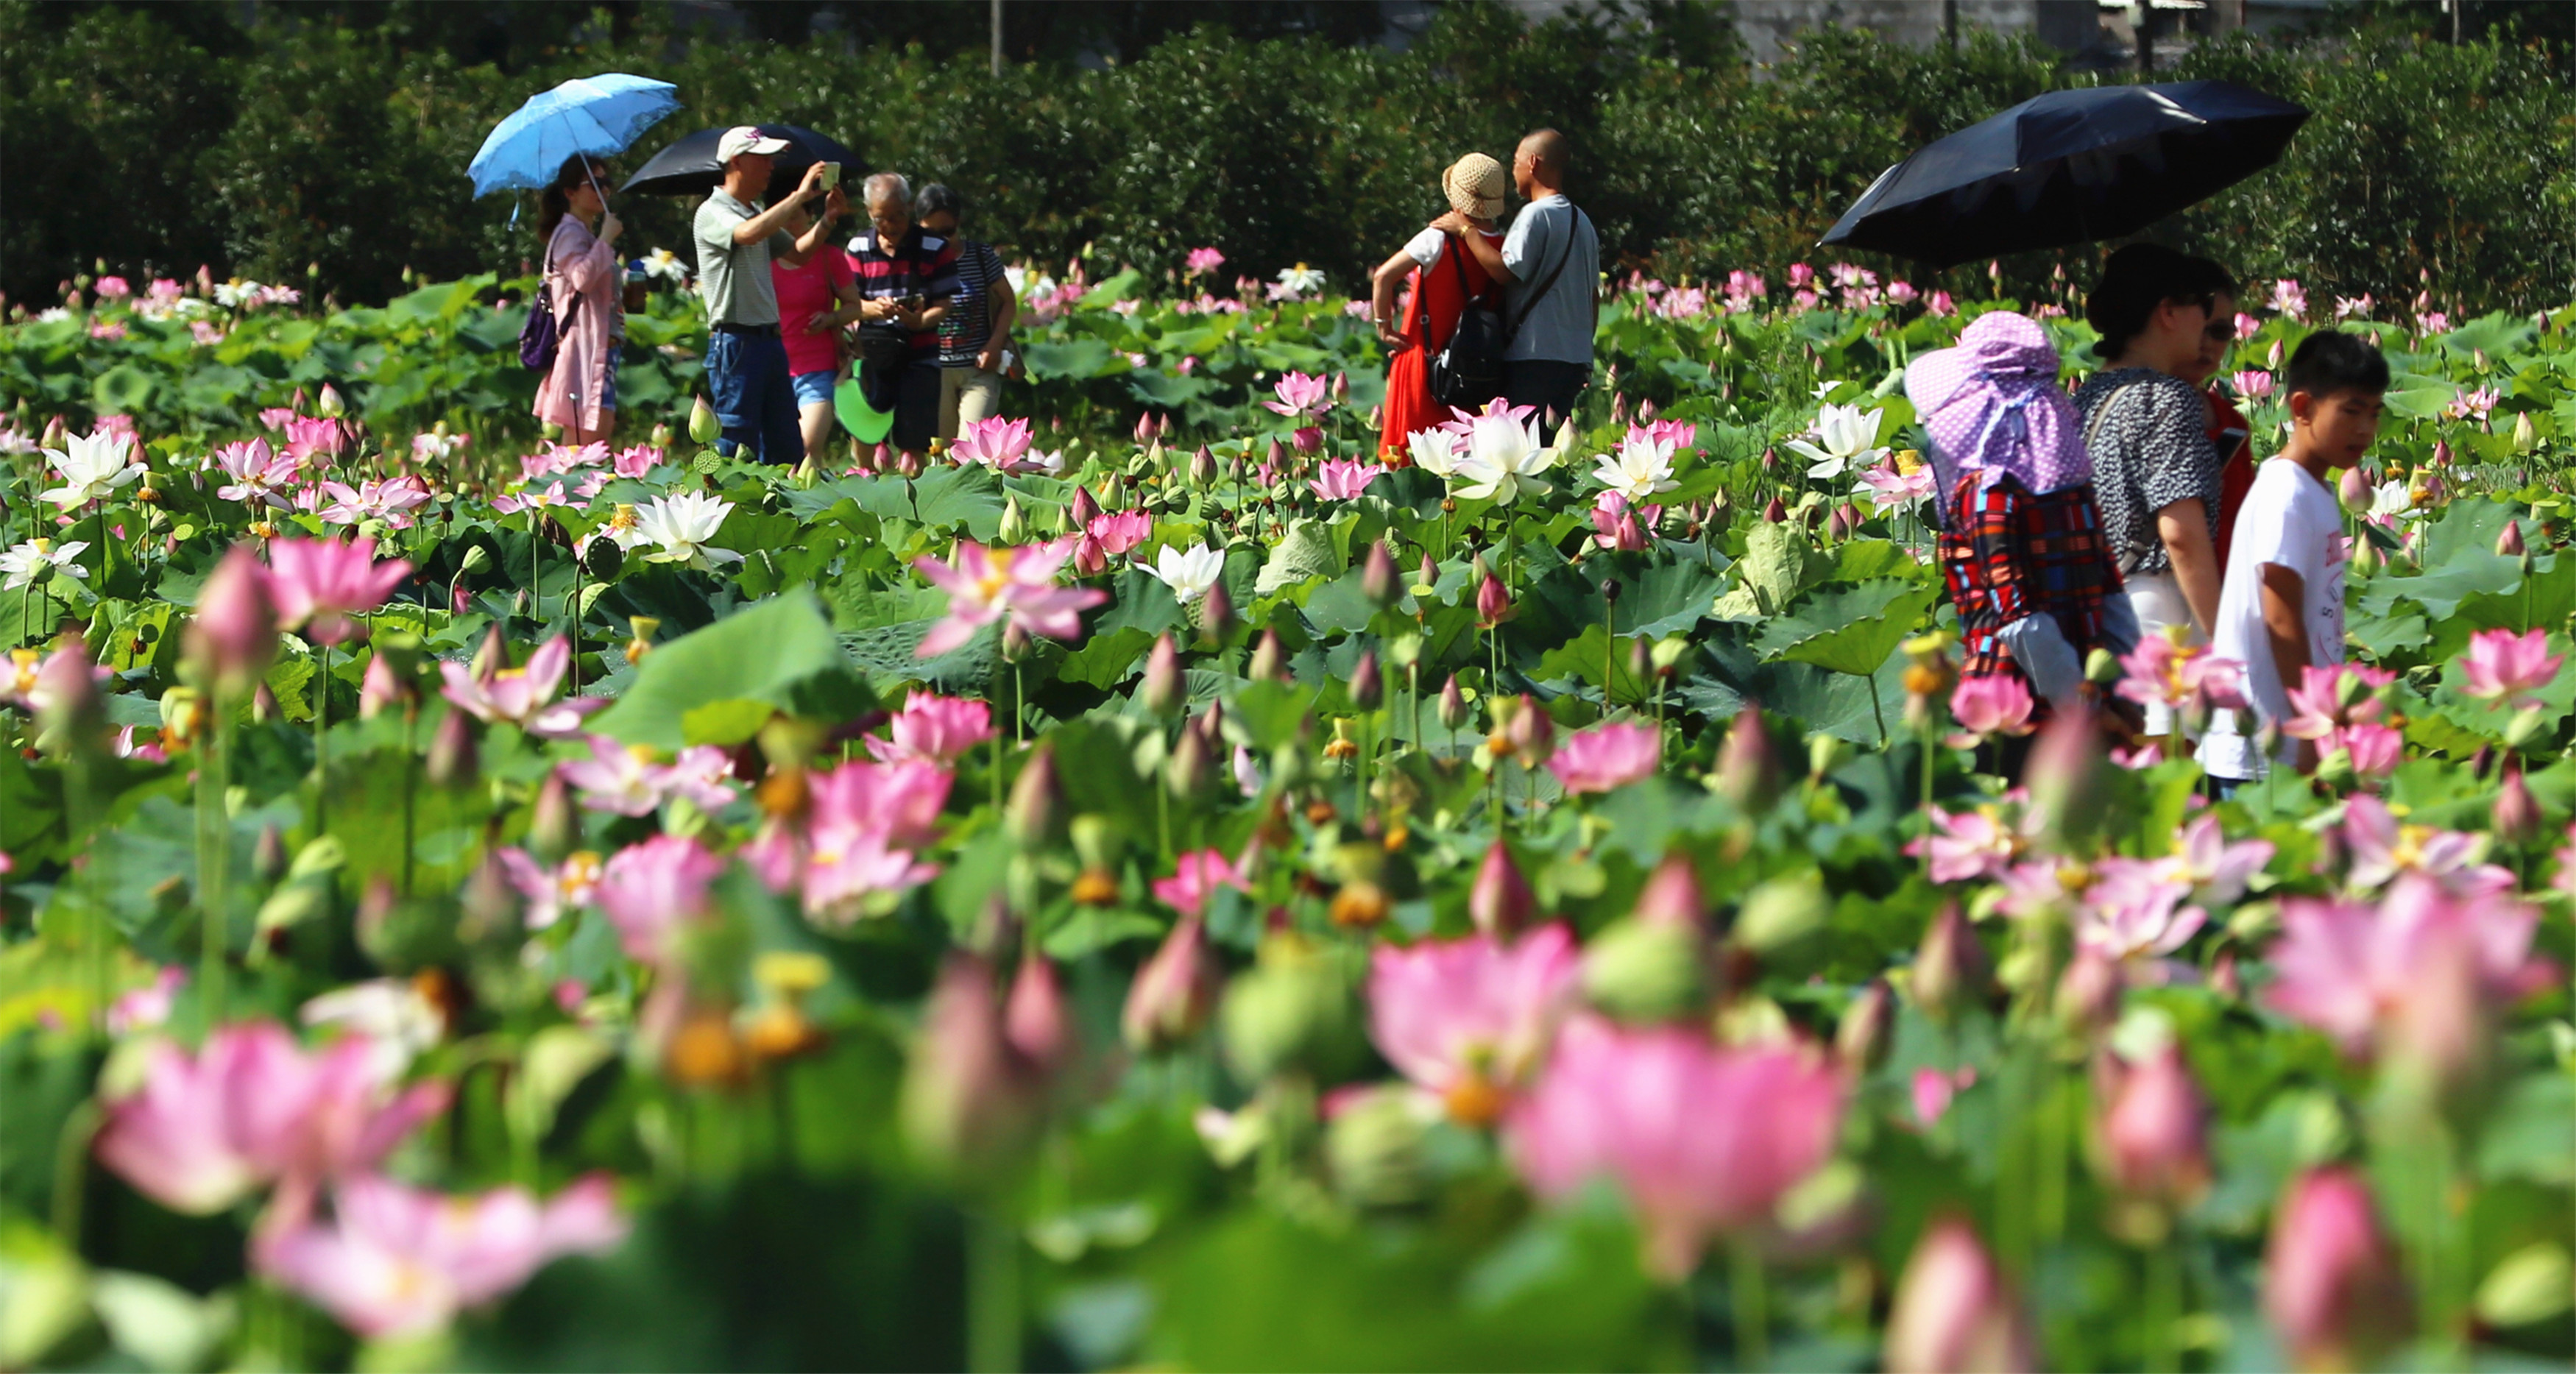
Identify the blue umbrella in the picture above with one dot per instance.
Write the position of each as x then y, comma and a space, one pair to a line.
597, 115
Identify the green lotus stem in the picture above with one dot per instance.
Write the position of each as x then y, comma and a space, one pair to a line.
1750, 1291
411, 782
992, 1294
1875, 713
2164, 1307
321, 739
2049, 1197
214, 858
536, 547
71, 1170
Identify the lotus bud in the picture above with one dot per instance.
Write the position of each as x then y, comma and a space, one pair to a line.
263, 704
490, 657
378, 688
1269, 661
2332, 1285
1454, 712
1378, 576
268, 857
1951, 969
1500, 902
2517, 812
1861, 1038
703, 426
1530, 733
1637, 971
1566, 438
232, 637
1426, 579
2354, 489
1275, 455
1493, 602
1825, 753
453, 759
2441, 453
1783, 911
2526, 730
1775, 512
1203, 468
1292, 1009
1015, 522
1163, 690
1748, 768
1085, 510
1035, 1018
328, 405
2365, 556
1955, 1312
661, 436
1191, 767
53, 436
971, 1102
1145, 430
1374, 1149
2153, 1132
2088, 994
1368, 685
552, 827
2525, 437
1174, 992
1671, 895
907, 462
1034, 817
2066, 774
2509, 541
1216, 612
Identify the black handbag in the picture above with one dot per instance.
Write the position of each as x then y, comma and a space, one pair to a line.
1467, 371
542, 336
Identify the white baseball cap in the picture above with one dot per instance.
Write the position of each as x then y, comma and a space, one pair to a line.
747, 138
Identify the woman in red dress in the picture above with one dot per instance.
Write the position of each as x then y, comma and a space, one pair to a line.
1445, 278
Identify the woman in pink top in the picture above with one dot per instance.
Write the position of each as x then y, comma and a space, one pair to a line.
814, 301
580, 391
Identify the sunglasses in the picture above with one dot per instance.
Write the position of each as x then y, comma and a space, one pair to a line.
2220, 331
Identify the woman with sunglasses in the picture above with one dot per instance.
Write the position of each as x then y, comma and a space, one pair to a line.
2156, 474
2230, 433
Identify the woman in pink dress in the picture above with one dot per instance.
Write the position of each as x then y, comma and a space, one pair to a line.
580, 391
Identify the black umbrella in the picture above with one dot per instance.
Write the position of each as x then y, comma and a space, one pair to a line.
2069, 167
689, 167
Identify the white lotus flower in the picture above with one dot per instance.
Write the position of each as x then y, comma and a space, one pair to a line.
1642, 468
1503, 460
33, 559
1188, 572
1847, 441
2392, 500
1435, 451
94, 468
679, 528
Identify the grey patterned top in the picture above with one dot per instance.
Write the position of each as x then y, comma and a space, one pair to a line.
2150, 449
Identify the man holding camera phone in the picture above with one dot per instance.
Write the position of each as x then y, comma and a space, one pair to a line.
906, 279
747, 369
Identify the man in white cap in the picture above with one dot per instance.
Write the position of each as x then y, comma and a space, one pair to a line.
755, 403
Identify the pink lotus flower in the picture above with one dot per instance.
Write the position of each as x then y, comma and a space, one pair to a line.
2502, 666
275, 417
570, 886
2180, 675
1901, 292
234, 629
2432, 322
1195, 878
1703, 1140
1939, 305
319, 583
2474, 405
1955, 1312
1609, 755
2332, 1284
623, 780
2349, 968
650, 890
534, 498
202, 1131
113, 288
2373, 749
1341, 479
2289, 299
395, 1260
1301, 397
1889, 487
320, 437
2129, 911
1967, 845
1615, 528
994, 442
2212, 867
934, 729
1801, 276
1201, 261
147, 1007
2382, 850
522, 696
2253, 384
637, 461
862, 823
1119, 532
1467, 1020
1993, 705
2318, 704
1932, 1091
391, 501
258, 473
1018, 583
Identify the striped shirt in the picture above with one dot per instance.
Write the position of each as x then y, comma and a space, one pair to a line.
970, 314
920, 265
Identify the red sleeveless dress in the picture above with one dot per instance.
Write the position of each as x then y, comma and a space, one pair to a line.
1409, 406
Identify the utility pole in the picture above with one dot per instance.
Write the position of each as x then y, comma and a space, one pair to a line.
997, 37
2146, 38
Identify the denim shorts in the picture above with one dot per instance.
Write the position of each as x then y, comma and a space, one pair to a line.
815, 388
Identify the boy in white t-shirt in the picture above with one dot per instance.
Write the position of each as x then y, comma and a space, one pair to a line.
2280, 609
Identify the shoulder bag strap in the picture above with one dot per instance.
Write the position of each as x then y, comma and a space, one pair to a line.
1549, 281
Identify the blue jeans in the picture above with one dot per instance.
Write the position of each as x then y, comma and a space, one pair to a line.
755, 403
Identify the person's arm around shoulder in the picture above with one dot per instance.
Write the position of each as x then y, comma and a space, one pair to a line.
1488, 256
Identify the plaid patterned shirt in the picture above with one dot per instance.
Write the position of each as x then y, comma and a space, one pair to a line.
2012, 554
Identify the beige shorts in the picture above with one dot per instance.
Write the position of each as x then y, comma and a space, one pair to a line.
2157, 600
967, 394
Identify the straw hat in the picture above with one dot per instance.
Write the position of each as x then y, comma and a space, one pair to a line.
1474, 185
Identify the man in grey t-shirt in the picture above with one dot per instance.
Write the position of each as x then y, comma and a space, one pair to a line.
1550, 267
754, 401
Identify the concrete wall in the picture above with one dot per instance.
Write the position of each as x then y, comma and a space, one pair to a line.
2067, 25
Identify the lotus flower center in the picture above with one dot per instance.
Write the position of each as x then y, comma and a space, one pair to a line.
1473, 1101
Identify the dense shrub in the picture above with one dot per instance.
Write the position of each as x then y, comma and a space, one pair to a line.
150, 144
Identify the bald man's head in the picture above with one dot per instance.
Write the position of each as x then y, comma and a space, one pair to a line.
1538, 168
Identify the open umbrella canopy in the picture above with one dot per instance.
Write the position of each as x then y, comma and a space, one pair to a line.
689, 167
2069, 167
598, 115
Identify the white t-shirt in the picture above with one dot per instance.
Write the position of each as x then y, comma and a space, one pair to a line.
2291, 519
1424, 247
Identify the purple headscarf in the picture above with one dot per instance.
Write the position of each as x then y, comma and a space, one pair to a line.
1993, 407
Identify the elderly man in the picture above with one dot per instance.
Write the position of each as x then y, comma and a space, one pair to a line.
906, 279
1550, 267
755, 402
